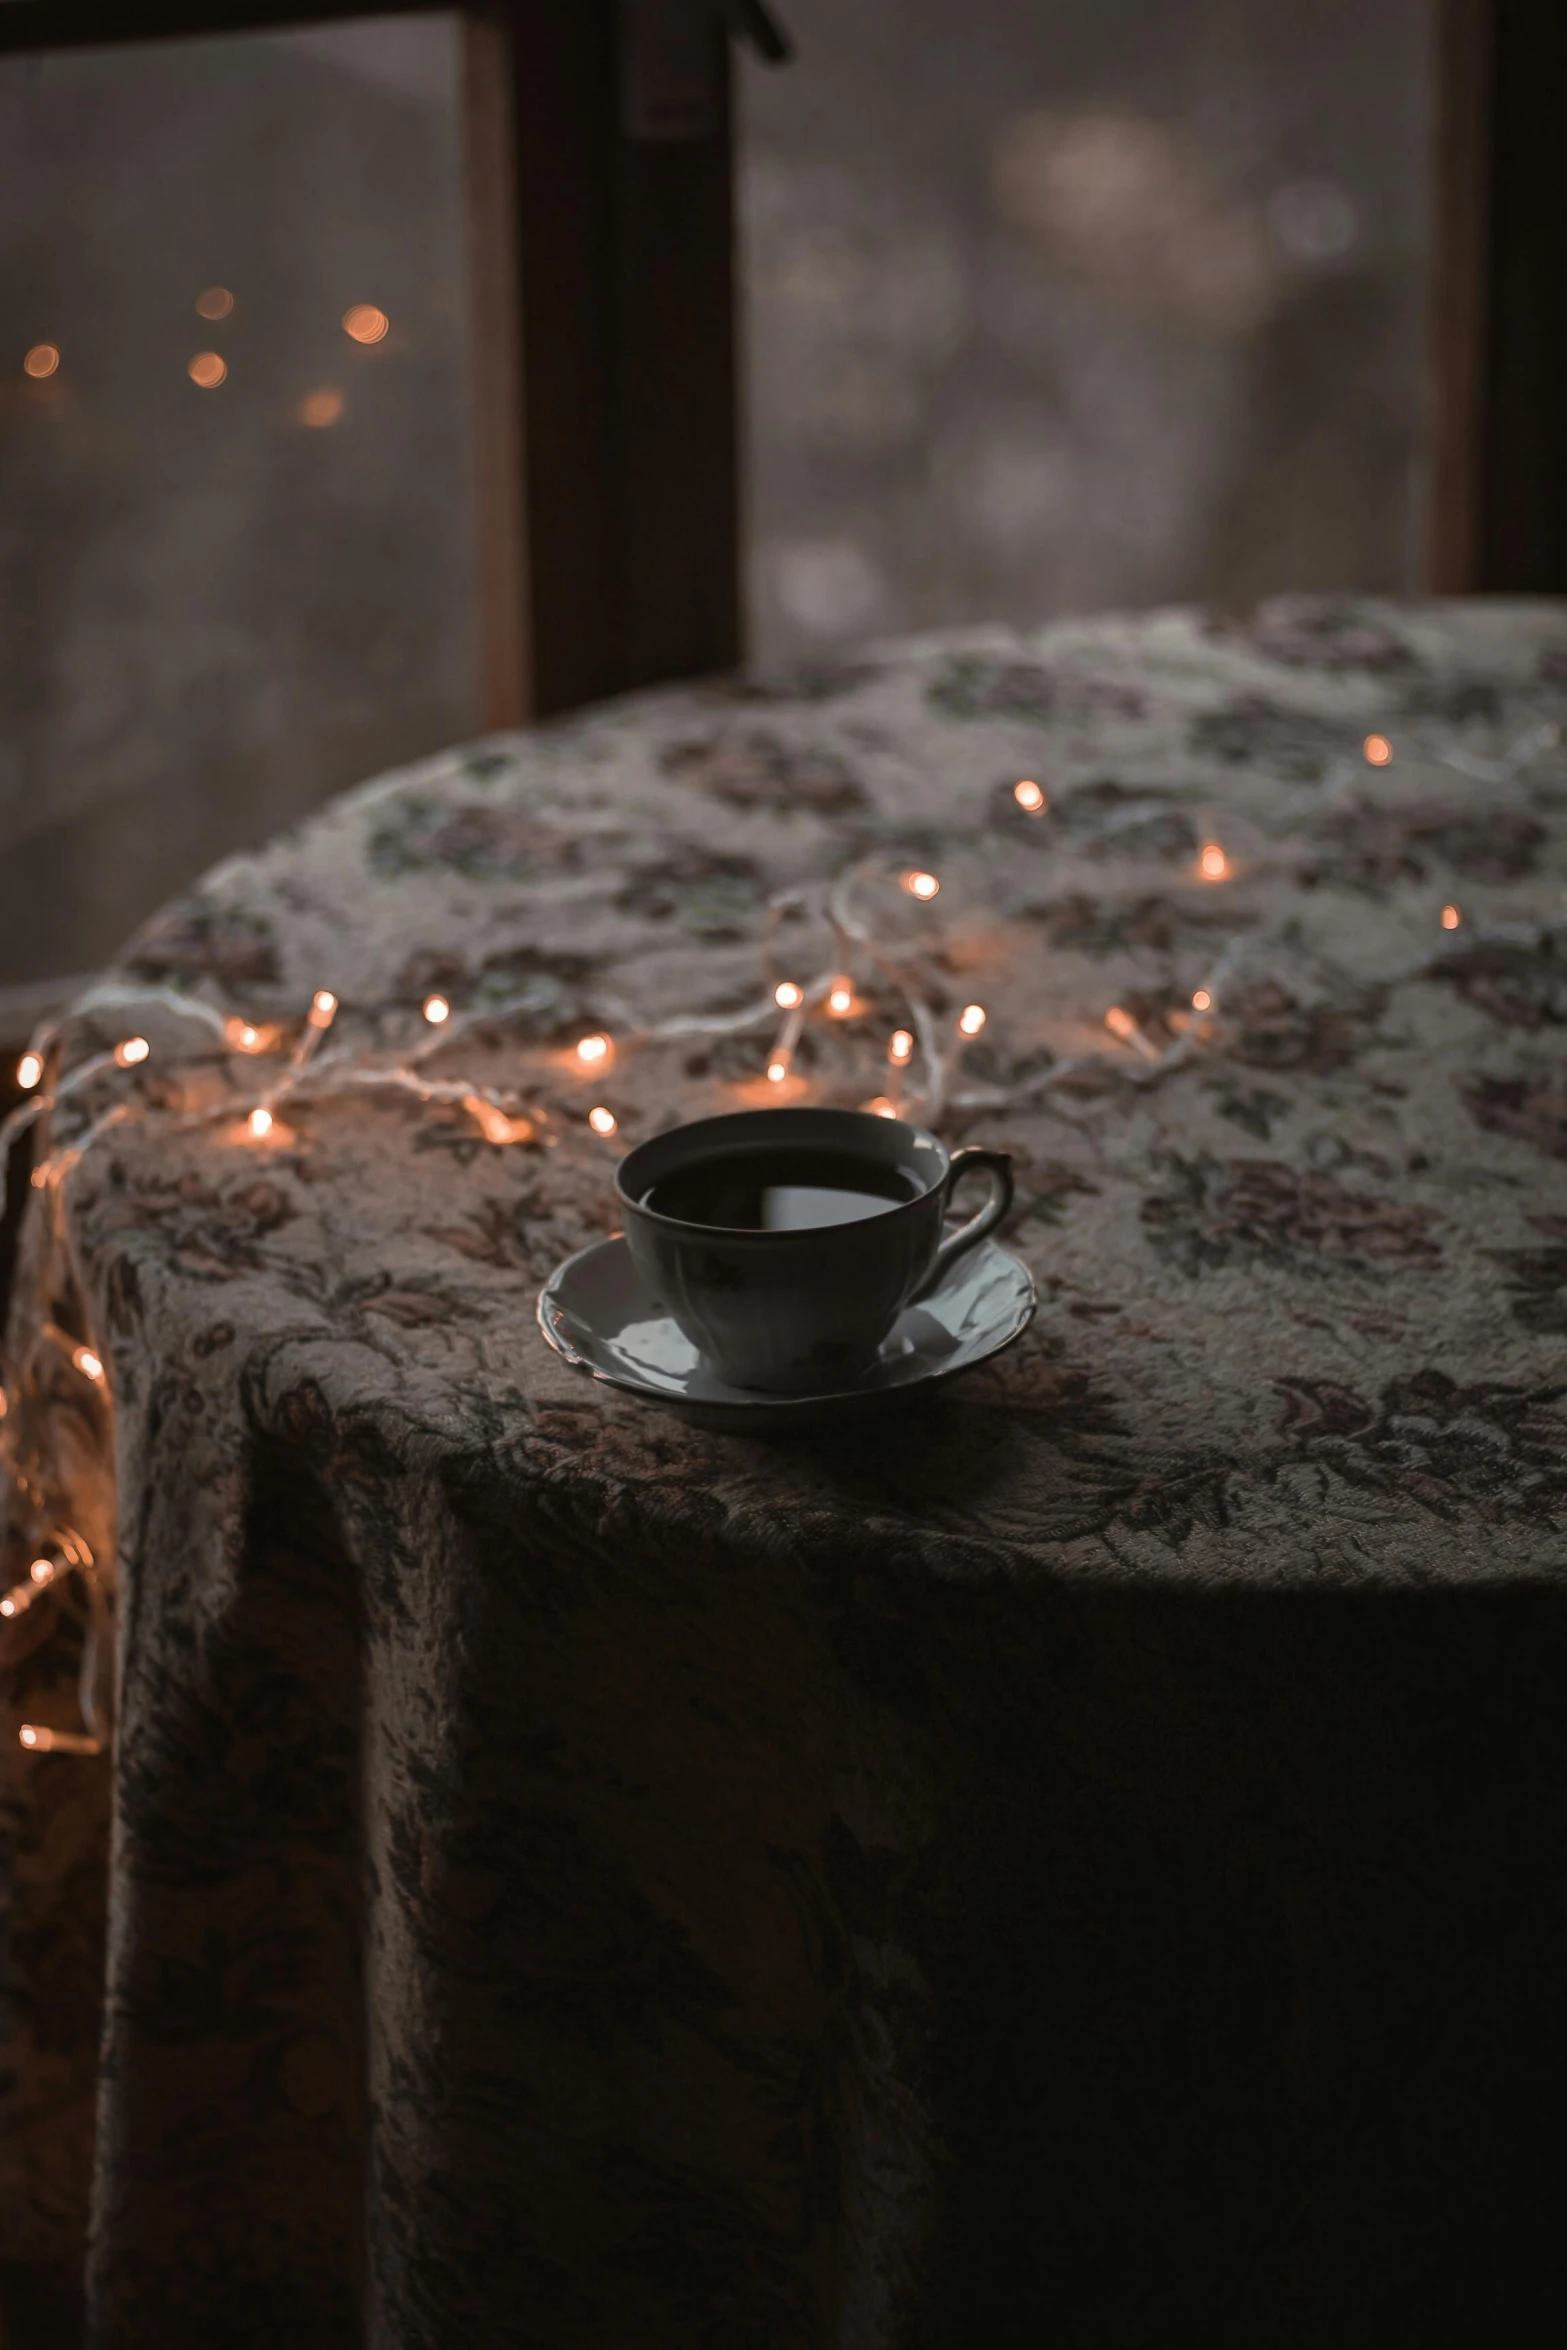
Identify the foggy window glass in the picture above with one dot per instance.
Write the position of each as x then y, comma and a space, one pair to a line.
1069, 304
234, 508
1054, 305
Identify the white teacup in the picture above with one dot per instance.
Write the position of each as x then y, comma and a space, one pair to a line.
786, 1243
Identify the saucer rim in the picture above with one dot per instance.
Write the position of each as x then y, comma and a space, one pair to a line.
756, 1401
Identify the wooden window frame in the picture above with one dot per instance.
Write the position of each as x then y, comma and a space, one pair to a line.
1498, 469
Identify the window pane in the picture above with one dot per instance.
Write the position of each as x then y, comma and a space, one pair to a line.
1080, 304
234, 536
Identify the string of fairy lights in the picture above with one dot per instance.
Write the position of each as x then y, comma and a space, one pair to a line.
276, 1067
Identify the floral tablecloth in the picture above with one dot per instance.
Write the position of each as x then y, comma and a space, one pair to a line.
1081, 1860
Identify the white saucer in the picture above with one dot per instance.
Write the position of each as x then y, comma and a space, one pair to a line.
595, 1311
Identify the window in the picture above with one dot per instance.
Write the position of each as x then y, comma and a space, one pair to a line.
1091, 303
1053, 307
235, 524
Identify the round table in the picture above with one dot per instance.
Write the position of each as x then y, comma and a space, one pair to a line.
1077, 1859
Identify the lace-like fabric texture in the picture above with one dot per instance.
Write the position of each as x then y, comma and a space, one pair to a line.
1077, 1858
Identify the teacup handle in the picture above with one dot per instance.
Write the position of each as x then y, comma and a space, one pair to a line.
998, 1166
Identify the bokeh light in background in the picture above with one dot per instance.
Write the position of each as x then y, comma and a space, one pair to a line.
218, 610
366, 324
321, 408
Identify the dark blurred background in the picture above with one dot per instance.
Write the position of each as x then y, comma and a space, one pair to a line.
1049, 305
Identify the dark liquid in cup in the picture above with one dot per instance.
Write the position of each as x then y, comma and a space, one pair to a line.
781, 1190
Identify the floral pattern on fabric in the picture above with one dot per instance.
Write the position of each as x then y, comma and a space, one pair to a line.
973, 1875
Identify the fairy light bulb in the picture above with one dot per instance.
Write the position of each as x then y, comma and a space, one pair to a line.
1030, 798
323, 1008
923, 886
1120, 1023
1202, 1001
42, 1570
971, 1019
1212, 863
593, 1051
134, 1049
28, 1071
787, 996
840, 999
1451, 917
1378, 750
493, 1122
436, 1009
88, 1363
777, 1071
881, 1107
900, 1047
46, 1741
260, 1123
602, 1121
242, 1036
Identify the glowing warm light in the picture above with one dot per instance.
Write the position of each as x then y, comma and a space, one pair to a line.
134, 1049
436, 1009
602, 1121
881, 1107
1451, 917
28, 1071
41, 360
777, 1071
493, 1122
787, 996
207, 370
87, 1363
260, 1123
1202, 1001
243, 1037
841, 999
323, 1008
1212, 863
17, 1602
321, 407
1378, 750
592, 1051
921, 885
365, 323
1030, 798
44, 1741
971, 1019
1120, 1023
901, 1045
216, 302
